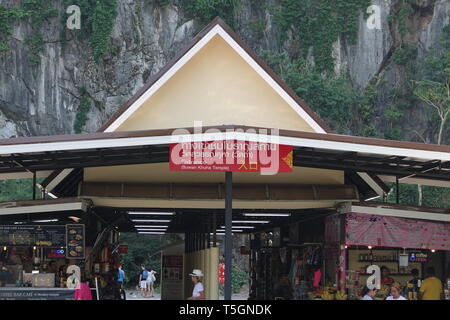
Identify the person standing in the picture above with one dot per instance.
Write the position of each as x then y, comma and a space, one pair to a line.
385, 276
395, 292
413, 285
151, 283
121, 280
120, 275
143, 275
52, 267
431, 288
198, 293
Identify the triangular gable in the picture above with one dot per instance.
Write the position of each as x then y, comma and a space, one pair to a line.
289, 110
217, 28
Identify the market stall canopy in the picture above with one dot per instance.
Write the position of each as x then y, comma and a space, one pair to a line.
409, 161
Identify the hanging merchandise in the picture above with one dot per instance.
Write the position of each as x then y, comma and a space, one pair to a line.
283, 253
314, 257
317, 259
317, 278
292, 271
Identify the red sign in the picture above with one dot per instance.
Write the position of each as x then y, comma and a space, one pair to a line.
244, 250
123, 249
221, 273
231, 155
172, 261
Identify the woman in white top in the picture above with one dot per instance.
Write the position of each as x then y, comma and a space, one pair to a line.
395, 292
199, 292
150, 283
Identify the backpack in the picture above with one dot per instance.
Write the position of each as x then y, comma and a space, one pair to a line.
153, 277
144, 275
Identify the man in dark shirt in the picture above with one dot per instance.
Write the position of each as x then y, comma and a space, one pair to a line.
413, 285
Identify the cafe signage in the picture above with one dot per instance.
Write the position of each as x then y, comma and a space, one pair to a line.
32, 235
231, 155
418, 257
36, 294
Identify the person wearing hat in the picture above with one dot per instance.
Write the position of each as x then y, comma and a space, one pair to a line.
199, 292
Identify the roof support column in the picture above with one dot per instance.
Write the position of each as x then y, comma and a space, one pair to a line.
228, 236
34, 185
397, 190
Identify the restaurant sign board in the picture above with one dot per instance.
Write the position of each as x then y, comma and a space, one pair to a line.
36, 294
231, 155
32, 235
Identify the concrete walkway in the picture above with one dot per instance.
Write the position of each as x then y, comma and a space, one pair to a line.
136, 295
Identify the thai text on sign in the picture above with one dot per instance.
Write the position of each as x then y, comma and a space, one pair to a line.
231, 155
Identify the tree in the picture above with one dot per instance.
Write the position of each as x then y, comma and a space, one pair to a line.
433, 85
437, 95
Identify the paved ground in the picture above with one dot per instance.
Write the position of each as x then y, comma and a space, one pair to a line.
135, 295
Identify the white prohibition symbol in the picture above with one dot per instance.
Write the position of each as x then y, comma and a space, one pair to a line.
374, 281
374, 20
74, 20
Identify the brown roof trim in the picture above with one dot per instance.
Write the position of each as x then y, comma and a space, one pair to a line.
192, 43
401, 207
224, 128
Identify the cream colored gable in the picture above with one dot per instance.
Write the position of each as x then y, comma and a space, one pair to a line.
218, 87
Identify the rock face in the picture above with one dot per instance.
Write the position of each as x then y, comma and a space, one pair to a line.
44, 99
366, 58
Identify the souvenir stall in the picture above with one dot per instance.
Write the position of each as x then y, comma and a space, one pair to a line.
395, 244
287, 263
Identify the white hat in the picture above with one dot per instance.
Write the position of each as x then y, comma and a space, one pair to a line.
196, 273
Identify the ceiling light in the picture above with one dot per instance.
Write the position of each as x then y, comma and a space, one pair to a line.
233, 230
151, 230
52, 195
43, 221
149, 220
151, 226
76, 219
152, 213
240, 227
141, 232
251, 221
267, 214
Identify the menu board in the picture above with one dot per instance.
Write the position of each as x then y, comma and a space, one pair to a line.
375, 230
75, 241
32, 235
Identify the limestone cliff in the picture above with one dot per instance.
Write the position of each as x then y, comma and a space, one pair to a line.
44, 97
